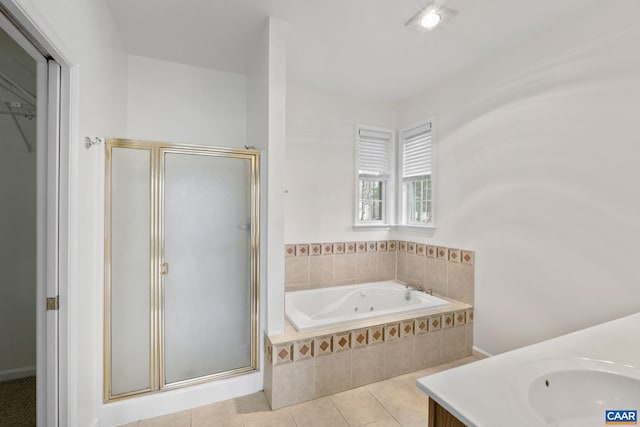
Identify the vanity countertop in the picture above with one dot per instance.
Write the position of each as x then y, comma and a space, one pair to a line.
493, 392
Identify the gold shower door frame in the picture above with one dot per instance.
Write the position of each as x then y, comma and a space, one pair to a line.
157, 150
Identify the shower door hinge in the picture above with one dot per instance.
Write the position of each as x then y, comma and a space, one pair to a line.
52, 303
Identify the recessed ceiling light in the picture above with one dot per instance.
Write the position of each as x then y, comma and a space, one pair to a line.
430, 17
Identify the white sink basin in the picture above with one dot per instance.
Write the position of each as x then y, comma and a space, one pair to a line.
576, 392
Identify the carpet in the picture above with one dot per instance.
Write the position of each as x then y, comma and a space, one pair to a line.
18, 403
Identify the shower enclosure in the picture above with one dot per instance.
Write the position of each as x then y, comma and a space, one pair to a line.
181, 265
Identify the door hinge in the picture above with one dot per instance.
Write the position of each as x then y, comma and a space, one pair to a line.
53, 303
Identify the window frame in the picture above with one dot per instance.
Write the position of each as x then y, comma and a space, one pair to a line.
388, 180
402, 196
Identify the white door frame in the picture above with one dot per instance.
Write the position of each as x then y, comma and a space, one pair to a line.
57, 93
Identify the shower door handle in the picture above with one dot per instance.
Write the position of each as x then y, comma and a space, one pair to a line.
164, 269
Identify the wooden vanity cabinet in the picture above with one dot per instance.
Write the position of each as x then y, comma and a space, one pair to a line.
440, 417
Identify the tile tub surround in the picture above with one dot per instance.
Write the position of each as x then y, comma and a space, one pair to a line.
447, 271
301, 366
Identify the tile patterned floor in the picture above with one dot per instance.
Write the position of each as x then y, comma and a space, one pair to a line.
390, 403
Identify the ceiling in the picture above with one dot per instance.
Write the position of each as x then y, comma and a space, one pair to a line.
356, 47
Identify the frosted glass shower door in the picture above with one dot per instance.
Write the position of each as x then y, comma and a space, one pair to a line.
206, 257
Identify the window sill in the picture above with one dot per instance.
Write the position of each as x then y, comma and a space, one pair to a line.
369, 227
421, 228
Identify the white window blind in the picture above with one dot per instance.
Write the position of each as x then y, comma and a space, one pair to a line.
417, 151
373, 152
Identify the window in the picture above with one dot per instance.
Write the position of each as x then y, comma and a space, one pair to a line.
373, 166
416, 154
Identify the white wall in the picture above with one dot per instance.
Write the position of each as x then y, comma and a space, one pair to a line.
173, 102
320, 163
537, 172
17, 247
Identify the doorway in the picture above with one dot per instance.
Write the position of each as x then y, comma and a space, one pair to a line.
18, 240
30, 229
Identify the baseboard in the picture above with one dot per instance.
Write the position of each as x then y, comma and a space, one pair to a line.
14, 374
480, 353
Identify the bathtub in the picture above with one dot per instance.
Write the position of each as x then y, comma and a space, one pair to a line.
344, 304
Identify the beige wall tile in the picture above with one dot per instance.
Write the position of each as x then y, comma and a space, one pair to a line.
268, 381
359, 407
387, 265
366, 267
367, 365
428, 350
436, 275
317, 413
292, 383
296, 271
344, 267
332, 373
460, 278
320, 270
401, 267
468, 339
416, 270
454, 343
177, 419
398, 356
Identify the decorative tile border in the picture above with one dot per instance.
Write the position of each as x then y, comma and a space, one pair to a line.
359, 338
406, 328
447, 320
422, 325
302, 250
289, 250
323, 345
327, 248
341, 341
376, 334
391, 332
431, 251
303, 349
340, 248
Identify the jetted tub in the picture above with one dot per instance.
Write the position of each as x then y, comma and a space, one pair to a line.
343, 304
